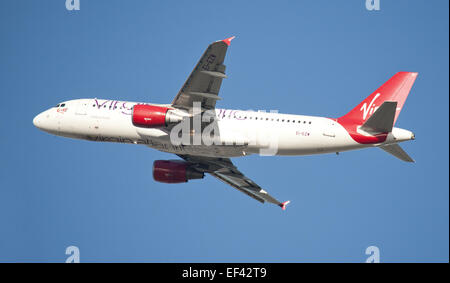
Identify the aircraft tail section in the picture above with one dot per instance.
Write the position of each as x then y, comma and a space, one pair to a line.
396, 89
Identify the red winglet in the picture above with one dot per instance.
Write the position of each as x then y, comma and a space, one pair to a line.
228, 40
283, 205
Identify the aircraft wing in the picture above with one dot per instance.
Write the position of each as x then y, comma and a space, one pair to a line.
204, 82
224, 170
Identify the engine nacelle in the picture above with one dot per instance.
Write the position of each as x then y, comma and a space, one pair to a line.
174, 171
151, 116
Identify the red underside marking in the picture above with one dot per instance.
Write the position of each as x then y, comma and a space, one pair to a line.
351, 129
362, 139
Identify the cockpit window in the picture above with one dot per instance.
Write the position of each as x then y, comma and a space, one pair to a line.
62, 105
57, 105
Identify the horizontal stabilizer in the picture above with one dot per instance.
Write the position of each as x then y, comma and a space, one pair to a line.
397, 151
382, 120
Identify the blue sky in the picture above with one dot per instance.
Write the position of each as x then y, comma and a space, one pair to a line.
305, 57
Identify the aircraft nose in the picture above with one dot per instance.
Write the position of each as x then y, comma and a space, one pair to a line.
37, 120
44, 121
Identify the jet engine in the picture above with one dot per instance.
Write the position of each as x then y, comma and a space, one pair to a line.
174, 171
152, 116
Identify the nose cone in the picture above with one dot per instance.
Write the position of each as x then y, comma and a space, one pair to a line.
45, 122
37, 120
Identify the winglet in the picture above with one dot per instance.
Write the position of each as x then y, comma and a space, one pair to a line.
283, 205
228, 40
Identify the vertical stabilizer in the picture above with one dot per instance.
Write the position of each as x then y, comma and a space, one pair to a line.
396, 89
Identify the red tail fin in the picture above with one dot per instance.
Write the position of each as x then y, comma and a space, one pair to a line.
395, 89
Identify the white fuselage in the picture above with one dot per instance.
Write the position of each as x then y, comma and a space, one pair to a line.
240, 132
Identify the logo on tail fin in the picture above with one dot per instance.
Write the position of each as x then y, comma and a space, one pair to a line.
369, 109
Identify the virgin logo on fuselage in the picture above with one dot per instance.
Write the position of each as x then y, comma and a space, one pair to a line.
371, 108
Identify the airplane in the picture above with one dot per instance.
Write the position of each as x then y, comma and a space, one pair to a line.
206, 137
